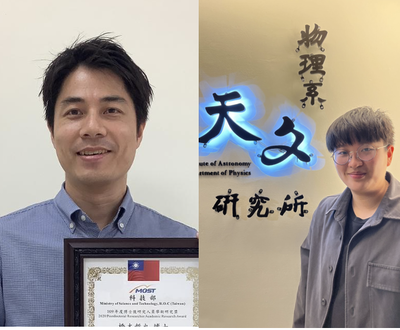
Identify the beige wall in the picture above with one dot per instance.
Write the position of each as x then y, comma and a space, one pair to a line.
250, 268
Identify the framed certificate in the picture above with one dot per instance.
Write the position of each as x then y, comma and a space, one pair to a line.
131, 282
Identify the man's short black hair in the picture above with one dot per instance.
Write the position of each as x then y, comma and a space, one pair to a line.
362, 125
100, 52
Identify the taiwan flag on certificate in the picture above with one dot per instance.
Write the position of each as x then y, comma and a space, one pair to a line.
143, 270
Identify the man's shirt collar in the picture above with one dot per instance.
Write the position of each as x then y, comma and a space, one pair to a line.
386, 209
74, 216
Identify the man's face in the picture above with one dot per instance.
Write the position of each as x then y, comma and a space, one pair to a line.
95, 130
365, 177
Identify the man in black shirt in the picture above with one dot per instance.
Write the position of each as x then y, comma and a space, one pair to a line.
351, 257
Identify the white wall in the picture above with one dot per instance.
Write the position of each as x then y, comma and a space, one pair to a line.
162, 38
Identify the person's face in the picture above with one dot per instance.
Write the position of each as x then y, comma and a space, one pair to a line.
365, 177
95, 130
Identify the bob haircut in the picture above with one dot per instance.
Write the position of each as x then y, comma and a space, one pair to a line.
362, 125
100, 53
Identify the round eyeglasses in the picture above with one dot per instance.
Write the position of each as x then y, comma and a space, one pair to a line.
364, 153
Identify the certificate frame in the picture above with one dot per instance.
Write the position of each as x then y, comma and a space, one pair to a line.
77, 249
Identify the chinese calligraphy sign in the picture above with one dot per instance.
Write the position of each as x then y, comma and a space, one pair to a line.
259, 205
275, 153
312, 63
